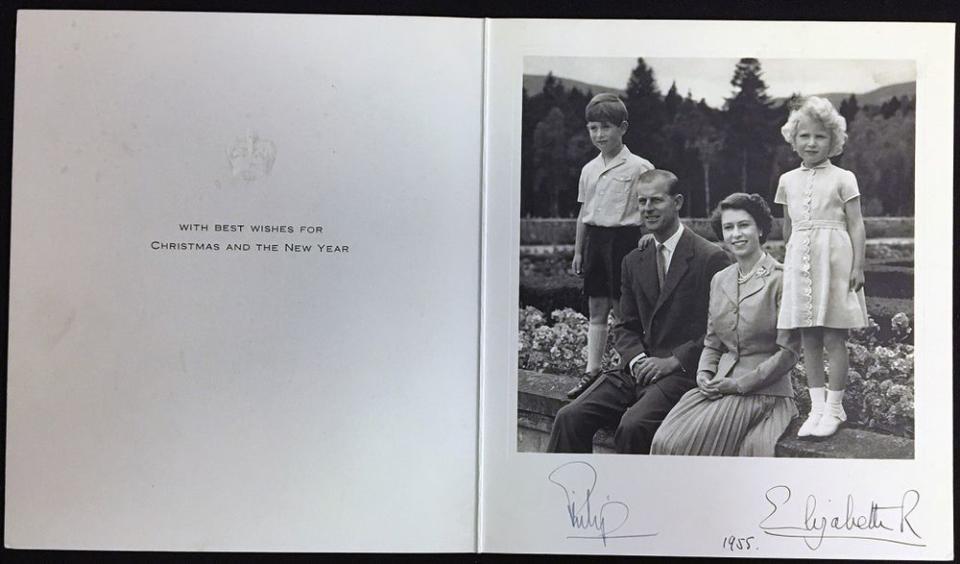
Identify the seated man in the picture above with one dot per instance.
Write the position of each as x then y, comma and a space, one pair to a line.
665, 292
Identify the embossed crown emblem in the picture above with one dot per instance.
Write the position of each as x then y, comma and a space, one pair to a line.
251, 157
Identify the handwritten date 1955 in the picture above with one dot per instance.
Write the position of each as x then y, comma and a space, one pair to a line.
735, 543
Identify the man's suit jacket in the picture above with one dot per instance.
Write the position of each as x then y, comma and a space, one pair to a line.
671, 321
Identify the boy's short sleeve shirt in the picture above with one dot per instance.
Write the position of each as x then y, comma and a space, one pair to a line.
608, 192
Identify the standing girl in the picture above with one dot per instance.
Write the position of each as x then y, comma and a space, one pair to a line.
823, 268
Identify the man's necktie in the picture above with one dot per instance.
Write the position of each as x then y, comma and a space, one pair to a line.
661, 265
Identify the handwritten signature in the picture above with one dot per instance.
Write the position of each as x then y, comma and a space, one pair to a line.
883, 523
578, 480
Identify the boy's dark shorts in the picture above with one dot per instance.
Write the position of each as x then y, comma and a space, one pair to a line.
604, 249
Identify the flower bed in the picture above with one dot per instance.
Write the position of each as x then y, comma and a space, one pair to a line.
563, 291
881, 381
556, 344
880, 384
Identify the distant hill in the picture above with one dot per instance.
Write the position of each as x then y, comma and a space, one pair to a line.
534, 85
881, 95
872, 98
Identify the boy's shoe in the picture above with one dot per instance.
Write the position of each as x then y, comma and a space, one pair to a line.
585, 382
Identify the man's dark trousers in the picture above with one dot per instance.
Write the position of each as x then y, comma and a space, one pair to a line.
615, 401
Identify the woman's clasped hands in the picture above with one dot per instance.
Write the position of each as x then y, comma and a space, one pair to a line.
715, 386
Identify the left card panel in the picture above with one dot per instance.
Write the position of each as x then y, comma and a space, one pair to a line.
244, 282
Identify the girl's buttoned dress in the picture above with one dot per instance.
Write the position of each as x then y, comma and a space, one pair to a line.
819, 258
742, 343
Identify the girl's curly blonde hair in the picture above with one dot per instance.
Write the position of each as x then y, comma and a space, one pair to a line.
823, 111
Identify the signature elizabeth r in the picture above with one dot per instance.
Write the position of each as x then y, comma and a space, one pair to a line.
578, 480
880, 523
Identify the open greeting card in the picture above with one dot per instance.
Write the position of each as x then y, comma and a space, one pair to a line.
323, 283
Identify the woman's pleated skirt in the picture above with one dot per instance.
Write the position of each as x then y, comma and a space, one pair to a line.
732, 425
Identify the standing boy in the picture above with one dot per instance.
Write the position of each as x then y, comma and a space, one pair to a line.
608, 226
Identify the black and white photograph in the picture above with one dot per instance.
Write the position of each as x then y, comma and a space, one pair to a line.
717, 257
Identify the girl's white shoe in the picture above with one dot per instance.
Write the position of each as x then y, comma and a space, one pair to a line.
833, 415
811, 423
816, 411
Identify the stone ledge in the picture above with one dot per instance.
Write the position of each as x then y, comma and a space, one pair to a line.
534, 434
553, 231
772, 245
541, 395
848, 442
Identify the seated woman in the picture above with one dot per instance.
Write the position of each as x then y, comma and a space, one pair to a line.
743, 401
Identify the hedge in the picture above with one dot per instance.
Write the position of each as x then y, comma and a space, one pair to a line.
550, 293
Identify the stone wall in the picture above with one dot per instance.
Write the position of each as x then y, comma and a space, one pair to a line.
541, 395
564, 231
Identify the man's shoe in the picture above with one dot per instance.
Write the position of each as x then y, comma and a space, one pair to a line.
585, 382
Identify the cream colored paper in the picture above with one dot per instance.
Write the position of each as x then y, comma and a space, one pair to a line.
262, 400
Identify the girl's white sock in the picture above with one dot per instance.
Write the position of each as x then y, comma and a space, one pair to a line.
835, 404
816, 412
816, 399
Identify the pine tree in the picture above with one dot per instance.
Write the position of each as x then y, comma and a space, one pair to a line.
750, 133
553, 91
783, 157
535, 199
527, 125
849, 108
646, 114
575, 104
890, 107
694, 141
549, 152
671, 102
674, 136
708, 140
906, 105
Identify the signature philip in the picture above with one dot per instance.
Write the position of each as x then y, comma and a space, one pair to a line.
578, 480
882, 523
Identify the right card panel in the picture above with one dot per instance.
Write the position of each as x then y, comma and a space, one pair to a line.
713, 103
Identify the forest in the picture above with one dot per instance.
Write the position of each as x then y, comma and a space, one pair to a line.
714, 152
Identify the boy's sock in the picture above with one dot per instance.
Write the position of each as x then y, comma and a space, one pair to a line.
596, 346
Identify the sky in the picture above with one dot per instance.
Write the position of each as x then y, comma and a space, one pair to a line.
710, 78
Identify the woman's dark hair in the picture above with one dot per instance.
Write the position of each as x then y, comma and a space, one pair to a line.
753, 204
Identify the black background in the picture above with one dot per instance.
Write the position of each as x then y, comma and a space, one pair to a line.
813, 10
